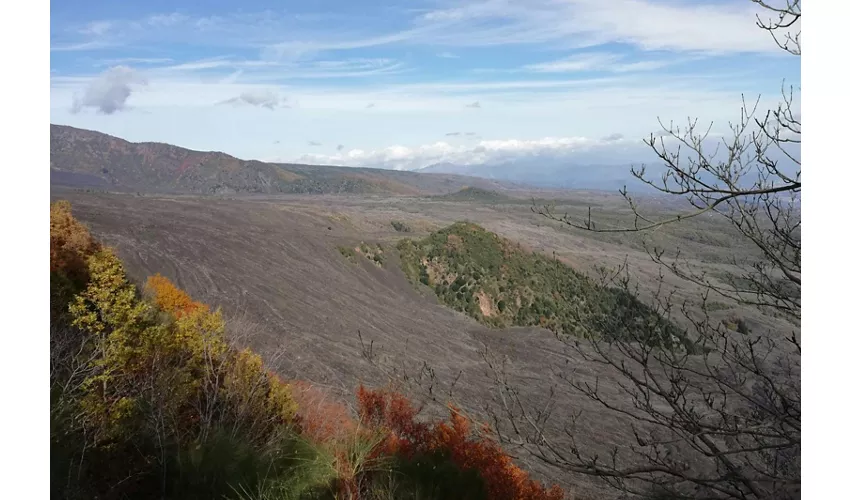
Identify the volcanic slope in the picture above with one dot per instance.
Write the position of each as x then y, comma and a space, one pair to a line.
85, 158
276, 263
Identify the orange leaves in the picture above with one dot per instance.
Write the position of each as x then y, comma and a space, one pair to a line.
321, 417
503, 479
171, 299
392, 411
70, 243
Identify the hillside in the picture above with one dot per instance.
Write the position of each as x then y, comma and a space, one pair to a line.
84, 158
275, 263
152, 398
476, 194
500, 284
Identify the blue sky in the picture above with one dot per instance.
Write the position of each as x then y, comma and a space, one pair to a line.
408, 83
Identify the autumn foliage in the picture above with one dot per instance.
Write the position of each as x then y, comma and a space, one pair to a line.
150, 400
321, 417
501, 477
171, 299
70, 242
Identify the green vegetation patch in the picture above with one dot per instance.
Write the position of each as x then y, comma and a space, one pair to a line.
400, 226
500, 284
346, 252
373, 253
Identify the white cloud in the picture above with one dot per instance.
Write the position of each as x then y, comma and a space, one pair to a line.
448, 55
109, 92
97, 28
259, 70
597, 61
710, 26
134, 60
580, 62
79, 47
652, 25
167, 19
179, 108
268, 99
399, 157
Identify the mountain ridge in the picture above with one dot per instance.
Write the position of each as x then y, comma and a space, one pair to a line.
87, 158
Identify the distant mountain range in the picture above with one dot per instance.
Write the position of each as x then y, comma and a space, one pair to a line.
553, 174
85, 158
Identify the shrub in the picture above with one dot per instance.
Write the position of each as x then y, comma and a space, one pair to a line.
400, 226
448, 444
154, 402
70, 244
171, 299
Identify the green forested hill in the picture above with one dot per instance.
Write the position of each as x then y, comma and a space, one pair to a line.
500, 284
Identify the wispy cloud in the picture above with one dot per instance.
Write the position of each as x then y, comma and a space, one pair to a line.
371, 76
268, 99
134, 61
605, 62
79, 46
580, 62
314, 143
711, 26
258, 70
110, 91
97, 28
646, 24
166, 20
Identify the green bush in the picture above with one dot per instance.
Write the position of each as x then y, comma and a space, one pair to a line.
400, 226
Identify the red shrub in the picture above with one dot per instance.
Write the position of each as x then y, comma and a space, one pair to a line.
503, 479
321, 417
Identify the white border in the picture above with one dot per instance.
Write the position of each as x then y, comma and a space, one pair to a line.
826, 335
25, 34
25, 418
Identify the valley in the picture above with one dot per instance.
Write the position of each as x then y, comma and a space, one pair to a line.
273, 263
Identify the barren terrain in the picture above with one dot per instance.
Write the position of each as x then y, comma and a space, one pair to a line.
274, 262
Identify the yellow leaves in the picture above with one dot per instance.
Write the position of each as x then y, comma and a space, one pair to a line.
70, 242
201, 333
280, 401
109, 301
257, 390
176, 367
171, 299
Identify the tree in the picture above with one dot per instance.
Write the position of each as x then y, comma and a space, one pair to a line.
720, 419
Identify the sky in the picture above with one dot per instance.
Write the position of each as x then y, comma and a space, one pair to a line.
409, 83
